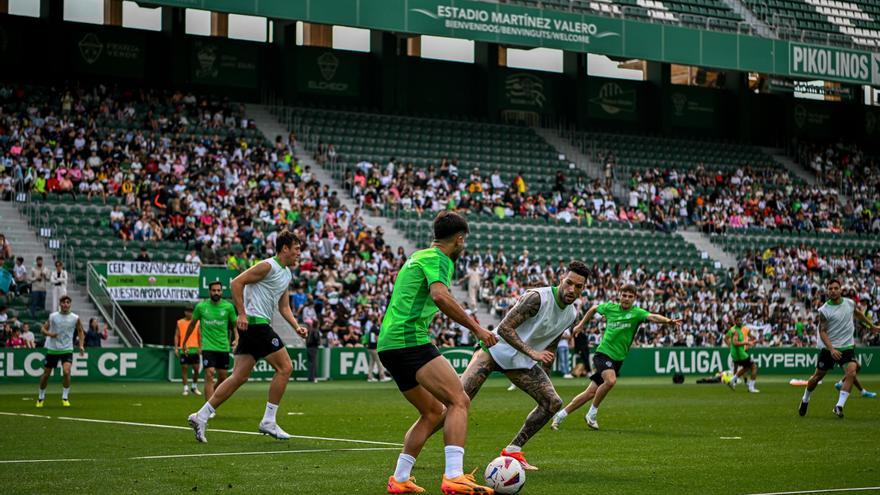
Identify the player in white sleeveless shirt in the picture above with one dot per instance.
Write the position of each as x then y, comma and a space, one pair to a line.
256, 293
526, 348
59, 331
836, 344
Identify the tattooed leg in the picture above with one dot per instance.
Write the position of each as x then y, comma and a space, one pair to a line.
473, 378
582, 398
537, 384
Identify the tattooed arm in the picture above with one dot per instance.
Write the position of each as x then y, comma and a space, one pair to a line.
527, 307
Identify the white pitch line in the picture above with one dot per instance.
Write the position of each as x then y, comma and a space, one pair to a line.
830, 490
730, 438
174, 427
23, 461
305, 451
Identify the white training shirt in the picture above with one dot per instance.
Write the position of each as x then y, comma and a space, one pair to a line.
538, 332
841, 329
261, 298
64, 325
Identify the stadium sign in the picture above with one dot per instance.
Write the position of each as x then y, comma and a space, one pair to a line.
150, 282
709, 360
160, 363
26, 365
834, 63
530, 26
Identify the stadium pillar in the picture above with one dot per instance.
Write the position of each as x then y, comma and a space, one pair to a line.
389, 59
174, 39
658, 73
317, 35
285, 40
220, 24
173, 21
52, 10
574, 68
488, 58
113, 12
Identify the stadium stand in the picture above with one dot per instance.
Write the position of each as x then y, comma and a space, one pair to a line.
712, 14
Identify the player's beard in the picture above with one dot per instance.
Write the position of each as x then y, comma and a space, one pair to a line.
215, 298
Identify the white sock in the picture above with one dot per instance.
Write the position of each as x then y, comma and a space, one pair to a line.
454, 461
184, 388
513, 448
65, 391
205, 412
807, 394
404, 467
192, 386
561, 415
269, 415
42, 394
751, 384
841, 401
734, 379
593, 411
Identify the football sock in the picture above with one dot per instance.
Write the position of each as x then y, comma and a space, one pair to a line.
192, 385
841, 401
734, 379
807, 395
64, 393
513, 448
593, 411
561, 415
205, 412
42, 394
454, 461
404, 467
269, 415
184, 388
751, 384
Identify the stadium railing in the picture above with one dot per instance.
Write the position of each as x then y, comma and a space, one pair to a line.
110, 309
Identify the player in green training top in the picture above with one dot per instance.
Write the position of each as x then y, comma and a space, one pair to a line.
215, 318
622, 321
425, 378
739, 340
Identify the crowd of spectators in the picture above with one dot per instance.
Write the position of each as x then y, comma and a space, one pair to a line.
719, 202
182, 170
401, 186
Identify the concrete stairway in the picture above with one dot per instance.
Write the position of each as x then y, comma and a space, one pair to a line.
270, 127
704, 245
26, 244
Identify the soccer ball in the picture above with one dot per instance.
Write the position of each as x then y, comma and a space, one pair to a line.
505, 475
726, 377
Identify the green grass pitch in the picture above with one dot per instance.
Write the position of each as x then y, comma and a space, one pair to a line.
656, 438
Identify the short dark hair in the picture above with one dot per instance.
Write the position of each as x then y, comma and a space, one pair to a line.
580, 268
216, 282
833, 281
285, 238
448, 224
65, 298
629, 288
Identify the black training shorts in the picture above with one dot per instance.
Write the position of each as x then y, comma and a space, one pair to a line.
745, 363
601, 362
825, 362
215, 359
404, 363
52, 360
189, 359
259, 340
